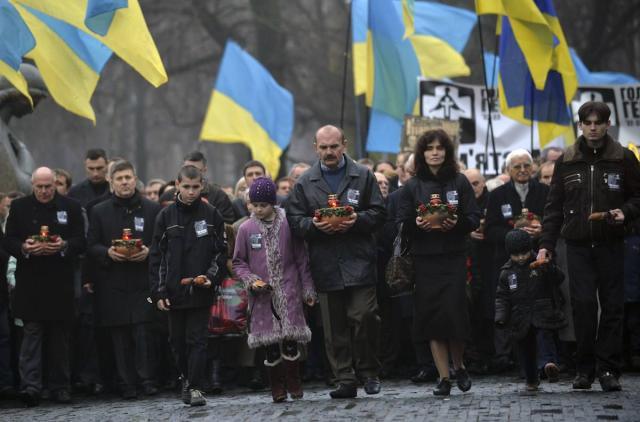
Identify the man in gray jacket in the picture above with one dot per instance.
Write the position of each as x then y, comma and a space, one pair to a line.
342, 258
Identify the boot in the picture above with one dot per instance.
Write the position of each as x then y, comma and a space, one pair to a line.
294, 386
215, 379
277, 379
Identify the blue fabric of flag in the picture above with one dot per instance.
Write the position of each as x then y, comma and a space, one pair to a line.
91, 51
396, 65
549, 104
359, 12
451, 24
100, 14
586, 77
384, 132
269, 104
15, 38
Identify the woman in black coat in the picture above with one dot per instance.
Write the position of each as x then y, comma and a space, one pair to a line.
441, 312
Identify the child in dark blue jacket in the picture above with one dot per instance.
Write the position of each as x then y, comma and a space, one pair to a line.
527, 302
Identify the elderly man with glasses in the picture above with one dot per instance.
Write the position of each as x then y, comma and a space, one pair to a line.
504, 205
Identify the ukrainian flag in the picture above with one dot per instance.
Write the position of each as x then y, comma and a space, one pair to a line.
537, 79
118, 24
395, 63
408, 7
15, 41
248, 106
69, 60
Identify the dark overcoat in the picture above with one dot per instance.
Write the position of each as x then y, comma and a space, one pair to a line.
343, 259
121, 288
44, 284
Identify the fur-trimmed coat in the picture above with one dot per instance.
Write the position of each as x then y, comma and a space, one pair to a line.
270, 253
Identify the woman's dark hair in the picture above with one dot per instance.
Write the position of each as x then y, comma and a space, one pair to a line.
449, 166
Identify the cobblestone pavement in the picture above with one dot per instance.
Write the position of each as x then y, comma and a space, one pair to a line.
491, 399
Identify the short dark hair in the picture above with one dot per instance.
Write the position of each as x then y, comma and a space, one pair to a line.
253, 163
95, 153
189, 172
195, 156
286, 179
121, 165
65, 174
449, 164
598, 108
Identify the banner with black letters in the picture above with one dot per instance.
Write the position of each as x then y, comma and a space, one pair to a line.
467, 104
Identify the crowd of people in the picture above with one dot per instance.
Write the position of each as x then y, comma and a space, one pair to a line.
108, 285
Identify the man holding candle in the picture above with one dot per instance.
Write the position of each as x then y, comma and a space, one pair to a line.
342, 258
122, 279
44, 282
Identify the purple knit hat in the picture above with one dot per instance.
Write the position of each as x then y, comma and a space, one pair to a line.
263, 190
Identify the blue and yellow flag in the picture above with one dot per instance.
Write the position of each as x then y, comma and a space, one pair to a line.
407, 17
119, 25
15, 41
395, 63
69, 60
248, 106
537, 79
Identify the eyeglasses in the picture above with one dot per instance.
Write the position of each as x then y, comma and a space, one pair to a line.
525, 166
593, 122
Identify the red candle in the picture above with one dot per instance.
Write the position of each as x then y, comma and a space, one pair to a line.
126, 234
333, 201
44, 231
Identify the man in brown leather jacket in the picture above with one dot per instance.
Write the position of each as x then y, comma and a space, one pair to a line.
595, 189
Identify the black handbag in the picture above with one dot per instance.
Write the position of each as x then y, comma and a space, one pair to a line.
400, 274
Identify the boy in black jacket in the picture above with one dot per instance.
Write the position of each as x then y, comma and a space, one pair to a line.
526, 300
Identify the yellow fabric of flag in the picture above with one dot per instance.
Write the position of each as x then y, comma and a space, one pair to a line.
128, 35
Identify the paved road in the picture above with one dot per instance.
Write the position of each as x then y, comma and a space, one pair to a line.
490, 399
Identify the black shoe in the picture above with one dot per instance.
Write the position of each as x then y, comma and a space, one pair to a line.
129, 393
197, 399
582, 382
61, 396
185, 394
609, 382
372, 385
29, 398
424, 375
149, 390
463, 380
344, 391
443, 388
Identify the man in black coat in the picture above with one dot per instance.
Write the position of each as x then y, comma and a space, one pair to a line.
96, 184
188, 255
122, 280
44, 282
343, 258
595, 189
504, 205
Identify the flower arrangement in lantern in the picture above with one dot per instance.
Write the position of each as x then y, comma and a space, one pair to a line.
334, 213
435, 212
44, 236
526, 219
126, 245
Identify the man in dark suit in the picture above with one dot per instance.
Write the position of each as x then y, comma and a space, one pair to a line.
44, 282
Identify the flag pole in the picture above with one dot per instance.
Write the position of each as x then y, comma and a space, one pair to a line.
489, 101
345, 66
533, 90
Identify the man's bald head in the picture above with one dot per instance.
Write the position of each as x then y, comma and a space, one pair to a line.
43, 184
330, 145
477, 181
